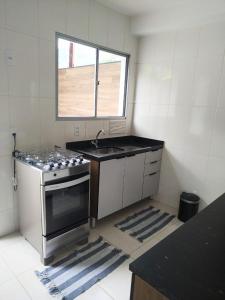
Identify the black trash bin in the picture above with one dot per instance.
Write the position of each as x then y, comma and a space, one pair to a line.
189, 204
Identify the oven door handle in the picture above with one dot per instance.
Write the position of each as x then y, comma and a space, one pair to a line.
67, 184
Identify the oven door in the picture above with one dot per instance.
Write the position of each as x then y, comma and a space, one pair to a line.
65, 204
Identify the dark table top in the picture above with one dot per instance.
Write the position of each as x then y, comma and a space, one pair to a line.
190, 263
129, 145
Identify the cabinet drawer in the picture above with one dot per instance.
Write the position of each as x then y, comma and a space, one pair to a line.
151, 185
152, 167
153, 156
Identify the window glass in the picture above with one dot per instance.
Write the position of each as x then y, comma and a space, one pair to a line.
91, 81
76, 79
111, 81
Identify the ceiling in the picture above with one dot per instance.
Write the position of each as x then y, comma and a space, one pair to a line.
139, 7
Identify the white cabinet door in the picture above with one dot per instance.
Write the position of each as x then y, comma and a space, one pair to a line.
133, 179
150, 185
110, 187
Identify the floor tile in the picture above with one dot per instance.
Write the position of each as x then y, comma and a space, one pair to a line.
20, 257
144, 248
33, 286
118, 283
9, 240
12, 290
5, 273
95, 293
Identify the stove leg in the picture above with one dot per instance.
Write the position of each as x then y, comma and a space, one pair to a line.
48, 260
93, 222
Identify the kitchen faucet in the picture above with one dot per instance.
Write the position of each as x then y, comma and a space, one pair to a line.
95, 142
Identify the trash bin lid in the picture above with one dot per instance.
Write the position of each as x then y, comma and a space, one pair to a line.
190, 197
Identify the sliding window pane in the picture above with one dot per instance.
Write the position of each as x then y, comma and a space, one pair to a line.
111, 84
76, 79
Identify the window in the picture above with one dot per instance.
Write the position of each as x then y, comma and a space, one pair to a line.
91, 80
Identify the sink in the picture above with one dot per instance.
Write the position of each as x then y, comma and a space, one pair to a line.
105, 150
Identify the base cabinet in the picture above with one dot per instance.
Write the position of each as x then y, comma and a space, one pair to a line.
141, 290
111, 178
133, 179
124, 181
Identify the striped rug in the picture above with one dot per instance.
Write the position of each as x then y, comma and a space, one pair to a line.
145, 223
79, 271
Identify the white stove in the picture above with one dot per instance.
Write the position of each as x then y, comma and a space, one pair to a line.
54, 200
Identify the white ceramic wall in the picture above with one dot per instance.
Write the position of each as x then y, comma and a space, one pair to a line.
180, 98
27, 77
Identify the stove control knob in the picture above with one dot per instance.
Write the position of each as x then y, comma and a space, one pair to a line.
81, 160
46, 167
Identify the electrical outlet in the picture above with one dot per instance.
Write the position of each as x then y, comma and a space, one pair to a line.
76, 130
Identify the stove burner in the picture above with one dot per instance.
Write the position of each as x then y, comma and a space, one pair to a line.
53, 160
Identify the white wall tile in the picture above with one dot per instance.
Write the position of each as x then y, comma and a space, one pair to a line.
159, 47
2, 13
72, 129
2, 39
7, 223
199, 130
221, 100
182, 86
160, 82
218, 138
21, 16
5, 137
23, 68
78, 18
99, 23
117, 29
52, 18
52, 132
186, 44
206, 82
212, 42
3, 74
92, 128
142, 89
6, 199
47, 69
157, 123
214, 179
25, 121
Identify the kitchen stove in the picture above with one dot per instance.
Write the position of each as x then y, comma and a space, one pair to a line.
54, 199
51, 160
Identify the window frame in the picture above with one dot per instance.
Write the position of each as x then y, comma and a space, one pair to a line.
98, 48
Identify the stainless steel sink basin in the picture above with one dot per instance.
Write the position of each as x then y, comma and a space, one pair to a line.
105, 150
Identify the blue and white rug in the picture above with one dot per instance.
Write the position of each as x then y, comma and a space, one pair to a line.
76, 273
145, 223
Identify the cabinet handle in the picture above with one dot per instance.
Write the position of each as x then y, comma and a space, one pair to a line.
154, 162
152, 174
120, 157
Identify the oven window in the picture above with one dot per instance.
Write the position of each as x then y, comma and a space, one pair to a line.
67, 207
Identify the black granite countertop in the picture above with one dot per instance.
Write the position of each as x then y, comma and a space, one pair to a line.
190, 263
128, 145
